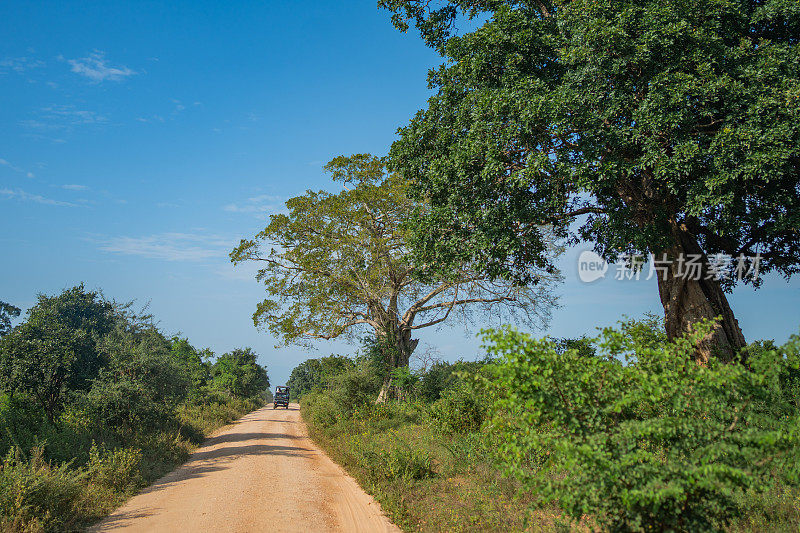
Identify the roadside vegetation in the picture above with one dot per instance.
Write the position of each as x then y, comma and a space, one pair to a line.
96, 403
622, 432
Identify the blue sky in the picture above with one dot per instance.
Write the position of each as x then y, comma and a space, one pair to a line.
141, 140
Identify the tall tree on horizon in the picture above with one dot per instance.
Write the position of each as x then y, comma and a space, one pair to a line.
339, 262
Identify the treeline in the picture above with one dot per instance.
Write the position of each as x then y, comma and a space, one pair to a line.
96, 401
622, 432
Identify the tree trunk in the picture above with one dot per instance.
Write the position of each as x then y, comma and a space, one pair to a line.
687, 300
402, 346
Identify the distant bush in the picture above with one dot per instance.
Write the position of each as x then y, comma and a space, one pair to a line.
314, 374
461, 409
442, 376
238, 373
142, 383
640, 436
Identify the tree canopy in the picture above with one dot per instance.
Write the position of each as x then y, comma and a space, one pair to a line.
55, 349
312, 373
642, 126
7, 312
238, 373
339, 261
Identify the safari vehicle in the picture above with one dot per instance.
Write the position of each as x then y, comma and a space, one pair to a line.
281, 397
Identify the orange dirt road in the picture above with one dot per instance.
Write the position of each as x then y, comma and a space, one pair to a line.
263, 473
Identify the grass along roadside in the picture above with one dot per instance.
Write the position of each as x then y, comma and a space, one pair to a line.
424, 480
39, 494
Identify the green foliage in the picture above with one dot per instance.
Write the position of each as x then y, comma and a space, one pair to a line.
442, 376
238, 373
424, 480
54, 351
116, 469
336, 263
110, 404
647, 119
404, 380
328, 257
398, 462
7, 312
142, 383
461, 409
36, 496
640, 436
194, 360
315, 373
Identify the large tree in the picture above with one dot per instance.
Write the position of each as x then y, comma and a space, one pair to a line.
339, 262
642, 126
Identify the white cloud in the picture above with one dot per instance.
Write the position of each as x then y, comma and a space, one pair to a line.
19, 64
172, 246
15, 168
72, 116
263, 204
19, 194
178, 106
74, 187
96, 68
154, 118
6, 163
60, 119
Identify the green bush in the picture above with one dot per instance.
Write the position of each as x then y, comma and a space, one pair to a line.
323, 410
313, 374
391, 461
641, 437
460, 410
442, 376
116, 469
36, 496
107, 403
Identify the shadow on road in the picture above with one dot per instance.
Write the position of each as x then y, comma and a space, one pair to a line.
239, 437
119, 520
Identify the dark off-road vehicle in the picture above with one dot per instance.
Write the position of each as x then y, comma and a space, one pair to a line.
281, 397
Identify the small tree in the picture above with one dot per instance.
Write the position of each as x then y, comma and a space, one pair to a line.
55, 349
238, 373
193, 360
340, 261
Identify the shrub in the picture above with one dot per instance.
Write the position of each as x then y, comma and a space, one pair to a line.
116, 469
460, 410
442, 376
322, 408
36, 496
392, 461
314, 373
238, 373
641, 436
353, 389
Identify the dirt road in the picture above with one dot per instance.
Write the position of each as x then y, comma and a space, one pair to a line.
261, 474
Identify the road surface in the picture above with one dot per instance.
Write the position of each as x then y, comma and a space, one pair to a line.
263, 473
